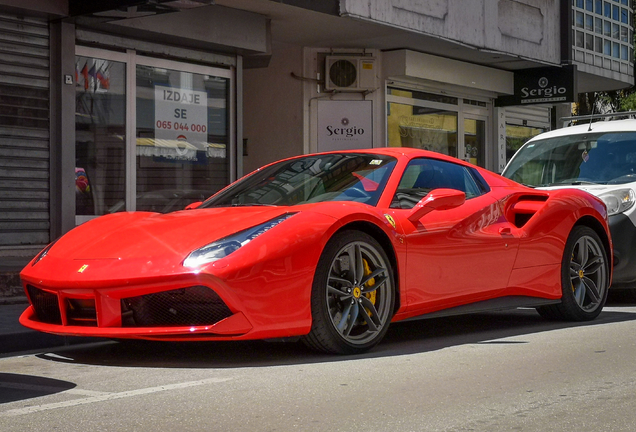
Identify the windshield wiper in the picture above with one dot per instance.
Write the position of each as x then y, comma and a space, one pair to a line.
573, 182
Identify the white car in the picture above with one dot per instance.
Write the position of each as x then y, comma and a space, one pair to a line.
599, 158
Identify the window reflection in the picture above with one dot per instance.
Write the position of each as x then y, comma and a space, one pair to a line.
421, 127
181, 137
100, 125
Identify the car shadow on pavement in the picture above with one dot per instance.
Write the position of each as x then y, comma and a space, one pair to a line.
17, 387
403, 338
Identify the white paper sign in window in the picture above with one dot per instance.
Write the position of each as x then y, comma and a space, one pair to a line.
181, 121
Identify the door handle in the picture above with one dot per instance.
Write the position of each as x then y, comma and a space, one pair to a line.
505, 230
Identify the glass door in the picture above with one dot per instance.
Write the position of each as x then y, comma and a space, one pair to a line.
475, 140
100, 136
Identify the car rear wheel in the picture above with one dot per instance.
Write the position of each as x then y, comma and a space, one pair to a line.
353, 295
585, 275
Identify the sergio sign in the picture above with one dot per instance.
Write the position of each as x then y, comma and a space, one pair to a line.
541, 86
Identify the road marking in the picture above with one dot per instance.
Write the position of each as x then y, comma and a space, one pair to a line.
109, 397
51, 389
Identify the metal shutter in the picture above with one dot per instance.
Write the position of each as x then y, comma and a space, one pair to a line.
24, 131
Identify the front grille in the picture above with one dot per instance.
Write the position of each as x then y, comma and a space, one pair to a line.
47, 308
193, 306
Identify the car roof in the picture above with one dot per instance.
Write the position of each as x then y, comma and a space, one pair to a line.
628, 125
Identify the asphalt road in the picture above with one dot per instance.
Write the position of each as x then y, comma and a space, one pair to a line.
501, 371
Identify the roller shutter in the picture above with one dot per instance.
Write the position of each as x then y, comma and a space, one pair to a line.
24, 131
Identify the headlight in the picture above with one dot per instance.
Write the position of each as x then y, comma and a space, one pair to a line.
618, 201
43, 253
225, 246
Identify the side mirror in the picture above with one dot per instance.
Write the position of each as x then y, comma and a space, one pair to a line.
437, 199
193, 205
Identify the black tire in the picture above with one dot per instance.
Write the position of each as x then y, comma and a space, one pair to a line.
584, 278
351, 305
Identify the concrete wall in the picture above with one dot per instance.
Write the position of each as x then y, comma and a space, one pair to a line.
528, 28
273, 108
225, 27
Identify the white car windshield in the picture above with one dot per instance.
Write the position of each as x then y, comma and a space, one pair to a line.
594, 158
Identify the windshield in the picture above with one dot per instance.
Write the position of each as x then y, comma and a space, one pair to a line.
594, 158
328, 177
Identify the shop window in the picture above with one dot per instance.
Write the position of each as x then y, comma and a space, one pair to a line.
181, 137
516, 136
424, 128
178, 151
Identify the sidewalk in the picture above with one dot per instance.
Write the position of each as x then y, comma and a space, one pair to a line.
10, 287
16, 338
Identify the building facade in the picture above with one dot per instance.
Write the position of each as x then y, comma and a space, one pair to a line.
149, 105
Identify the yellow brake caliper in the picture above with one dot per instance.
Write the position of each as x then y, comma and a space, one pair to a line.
371, 296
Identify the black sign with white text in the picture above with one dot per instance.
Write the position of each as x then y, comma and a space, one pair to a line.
542, 86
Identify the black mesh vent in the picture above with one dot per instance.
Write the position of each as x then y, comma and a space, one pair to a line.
194, 306
47, 309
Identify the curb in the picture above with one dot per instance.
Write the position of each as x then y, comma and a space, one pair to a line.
11, 300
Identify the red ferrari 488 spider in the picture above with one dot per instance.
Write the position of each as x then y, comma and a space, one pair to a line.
329, 248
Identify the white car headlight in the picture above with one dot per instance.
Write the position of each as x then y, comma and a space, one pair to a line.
618, 201
225, 246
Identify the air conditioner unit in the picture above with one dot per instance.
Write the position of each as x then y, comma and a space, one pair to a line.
349, 73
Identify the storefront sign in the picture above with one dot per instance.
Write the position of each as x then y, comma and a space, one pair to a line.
542, 86
181, 122
344, 125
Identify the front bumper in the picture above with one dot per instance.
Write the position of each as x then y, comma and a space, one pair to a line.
192, 313
624, 240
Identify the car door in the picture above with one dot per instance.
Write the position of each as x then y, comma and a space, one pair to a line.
459, 255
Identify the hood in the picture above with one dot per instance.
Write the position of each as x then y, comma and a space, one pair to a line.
596, 190
140, 234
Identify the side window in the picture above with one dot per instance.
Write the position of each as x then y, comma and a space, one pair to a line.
423, 175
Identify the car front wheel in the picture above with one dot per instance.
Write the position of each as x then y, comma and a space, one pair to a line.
353, 295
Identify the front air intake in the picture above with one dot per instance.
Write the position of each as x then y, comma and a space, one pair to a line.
193, 306
47, 308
